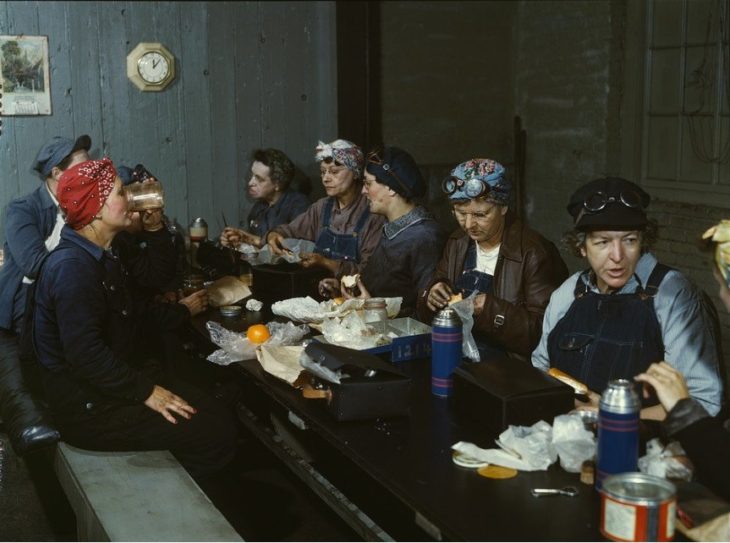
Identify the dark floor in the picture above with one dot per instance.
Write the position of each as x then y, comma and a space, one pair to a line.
265, 502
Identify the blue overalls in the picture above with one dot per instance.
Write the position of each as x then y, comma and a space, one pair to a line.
470, 281
609, 336
339, 246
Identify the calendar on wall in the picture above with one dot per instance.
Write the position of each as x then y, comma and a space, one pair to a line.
25, 86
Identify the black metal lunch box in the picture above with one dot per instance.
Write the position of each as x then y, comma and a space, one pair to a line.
504, 391
369, 387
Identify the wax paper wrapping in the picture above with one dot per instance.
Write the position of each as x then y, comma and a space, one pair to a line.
309, 310
281, 361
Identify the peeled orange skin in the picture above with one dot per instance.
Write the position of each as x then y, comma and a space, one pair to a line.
257, 333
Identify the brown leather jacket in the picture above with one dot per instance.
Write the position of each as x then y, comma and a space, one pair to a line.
529, 268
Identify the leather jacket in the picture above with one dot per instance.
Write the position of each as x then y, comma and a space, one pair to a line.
529, 268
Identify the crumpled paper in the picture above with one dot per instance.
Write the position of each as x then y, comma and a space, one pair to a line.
531, 443
536, 447
254, 305
661, 462
309, 310
236, 346
352, 331
572, 442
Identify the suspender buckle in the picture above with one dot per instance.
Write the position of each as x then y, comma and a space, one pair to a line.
498, 321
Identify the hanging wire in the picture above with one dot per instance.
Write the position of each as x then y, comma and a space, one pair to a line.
705, 79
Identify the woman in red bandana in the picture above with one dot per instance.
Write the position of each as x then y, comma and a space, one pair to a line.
88, 340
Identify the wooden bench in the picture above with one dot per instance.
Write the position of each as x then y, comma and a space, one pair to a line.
136, 496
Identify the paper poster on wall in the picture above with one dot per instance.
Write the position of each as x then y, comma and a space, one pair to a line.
24, 76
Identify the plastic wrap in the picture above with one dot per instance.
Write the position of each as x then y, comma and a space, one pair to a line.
235, 346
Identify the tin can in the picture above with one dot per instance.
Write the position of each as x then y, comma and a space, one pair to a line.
618, 430
638, 507
446, 339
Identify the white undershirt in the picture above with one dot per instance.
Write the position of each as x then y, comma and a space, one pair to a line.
487, 260
55, 237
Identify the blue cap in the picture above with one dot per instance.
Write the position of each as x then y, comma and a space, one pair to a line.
126, 174
55, 150
394, 167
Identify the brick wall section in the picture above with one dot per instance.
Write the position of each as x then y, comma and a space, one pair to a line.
680, 229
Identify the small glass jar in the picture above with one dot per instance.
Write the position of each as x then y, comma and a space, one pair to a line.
198, 230
192, 284
375, 310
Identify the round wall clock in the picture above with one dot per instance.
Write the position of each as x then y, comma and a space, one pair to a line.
150, 66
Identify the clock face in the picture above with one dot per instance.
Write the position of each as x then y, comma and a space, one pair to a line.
153, 67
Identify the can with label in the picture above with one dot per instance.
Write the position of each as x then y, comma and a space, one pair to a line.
638, 507
618, 430
446, 338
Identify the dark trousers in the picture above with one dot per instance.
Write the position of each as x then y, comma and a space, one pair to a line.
204, 444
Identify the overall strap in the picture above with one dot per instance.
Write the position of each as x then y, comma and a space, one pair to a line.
327, 214
656, 278
581, 287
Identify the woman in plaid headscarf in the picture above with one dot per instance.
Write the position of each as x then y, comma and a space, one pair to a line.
87, 334
341, 225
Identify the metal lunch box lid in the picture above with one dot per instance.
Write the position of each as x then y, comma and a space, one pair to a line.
638, 488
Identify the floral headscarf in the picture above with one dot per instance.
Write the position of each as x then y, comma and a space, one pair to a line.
490, 172
345, 152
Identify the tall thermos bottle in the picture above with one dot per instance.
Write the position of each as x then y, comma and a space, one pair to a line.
446, 338
618, 430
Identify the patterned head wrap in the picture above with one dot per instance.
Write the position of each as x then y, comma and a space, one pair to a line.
497, 187
345, 152
83, 189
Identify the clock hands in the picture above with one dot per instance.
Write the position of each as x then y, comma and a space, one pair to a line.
155, 63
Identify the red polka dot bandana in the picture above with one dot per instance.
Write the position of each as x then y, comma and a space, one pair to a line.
83, 189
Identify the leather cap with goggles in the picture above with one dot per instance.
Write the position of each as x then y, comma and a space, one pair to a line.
610, 203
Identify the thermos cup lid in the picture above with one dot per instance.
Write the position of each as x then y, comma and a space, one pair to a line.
447, 317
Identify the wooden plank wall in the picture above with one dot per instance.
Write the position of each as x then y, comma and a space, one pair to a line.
249, 74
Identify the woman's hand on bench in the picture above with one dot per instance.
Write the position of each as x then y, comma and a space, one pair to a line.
165, 402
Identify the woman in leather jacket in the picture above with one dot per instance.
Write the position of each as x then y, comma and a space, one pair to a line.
513, 269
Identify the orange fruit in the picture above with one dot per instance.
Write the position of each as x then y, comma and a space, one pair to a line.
257, 333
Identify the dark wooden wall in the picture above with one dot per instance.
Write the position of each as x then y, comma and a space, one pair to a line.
250, 74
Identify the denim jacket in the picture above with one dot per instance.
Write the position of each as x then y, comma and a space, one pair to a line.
28, 222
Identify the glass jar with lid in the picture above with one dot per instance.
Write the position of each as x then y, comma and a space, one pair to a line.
375, 310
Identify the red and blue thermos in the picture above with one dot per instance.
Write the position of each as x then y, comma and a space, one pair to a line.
618, 430
446, 339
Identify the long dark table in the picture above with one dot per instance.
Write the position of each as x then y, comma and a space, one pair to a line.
404, 466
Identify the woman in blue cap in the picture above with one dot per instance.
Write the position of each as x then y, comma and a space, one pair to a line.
513, 269
412, 240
